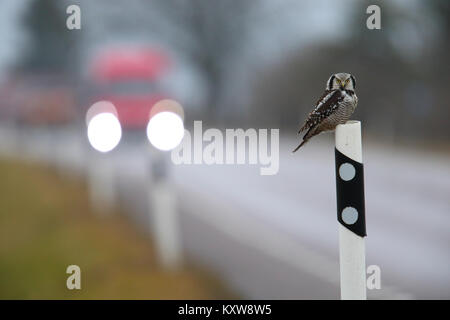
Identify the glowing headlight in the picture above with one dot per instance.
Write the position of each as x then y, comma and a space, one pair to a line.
165, 130
104, 132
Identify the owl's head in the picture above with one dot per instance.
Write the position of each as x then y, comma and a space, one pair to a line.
341, 81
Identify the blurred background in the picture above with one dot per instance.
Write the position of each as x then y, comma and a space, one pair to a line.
219, 231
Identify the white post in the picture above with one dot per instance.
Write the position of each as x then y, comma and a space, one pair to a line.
101, 182
166, 120
351, 245
164, 214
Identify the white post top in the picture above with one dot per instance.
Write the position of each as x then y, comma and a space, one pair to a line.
348, 139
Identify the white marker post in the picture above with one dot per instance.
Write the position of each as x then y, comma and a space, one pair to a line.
164, 213
101, 183
351, 211
104, 133
165, 130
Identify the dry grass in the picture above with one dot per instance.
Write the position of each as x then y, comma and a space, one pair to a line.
46, 224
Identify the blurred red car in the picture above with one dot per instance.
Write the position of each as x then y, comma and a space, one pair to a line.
129, 78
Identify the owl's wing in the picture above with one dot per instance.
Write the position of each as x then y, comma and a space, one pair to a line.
324, 107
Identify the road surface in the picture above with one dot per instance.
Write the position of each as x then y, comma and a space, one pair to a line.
276, 236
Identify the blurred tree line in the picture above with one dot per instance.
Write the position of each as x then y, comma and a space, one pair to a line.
50, 46
402, 85
402, 71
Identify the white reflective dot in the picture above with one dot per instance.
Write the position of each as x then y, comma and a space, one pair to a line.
349, 215
347, 171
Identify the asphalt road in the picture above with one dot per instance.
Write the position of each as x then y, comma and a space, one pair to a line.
276, 236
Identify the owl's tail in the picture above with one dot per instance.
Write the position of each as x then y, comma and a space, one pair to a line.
306, 137
299, 146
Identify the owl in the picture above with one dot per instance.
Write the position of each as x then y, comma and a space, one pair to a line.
334, 107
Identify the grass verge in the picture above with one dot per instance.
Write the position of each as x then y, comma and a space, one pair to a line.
46, 224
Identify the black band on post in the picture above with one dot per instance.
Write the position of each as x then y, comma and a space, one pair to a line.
350, 193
